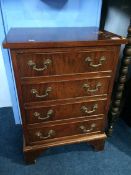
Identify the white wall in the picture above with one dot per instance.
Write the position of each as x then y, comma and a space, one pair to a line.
117, 21
52, 13
118, 18
5, 99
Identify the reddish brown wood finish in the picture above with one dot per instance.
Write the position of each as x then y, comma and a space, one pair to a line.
60, 37
98, 144
65, 130
66, 89
64, 61
65, 111
71, 58
32, 152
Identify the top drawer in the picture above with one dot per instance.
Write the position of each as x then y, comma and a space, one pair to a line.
46, 62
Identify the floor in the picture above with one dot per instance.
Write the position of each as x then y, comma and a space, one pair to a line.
76, 159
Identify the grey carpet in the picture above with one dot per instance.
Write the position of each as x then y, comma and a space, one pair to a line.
75, 159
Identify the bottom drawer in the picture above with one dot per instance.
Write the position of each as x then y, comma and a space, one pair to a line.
49, 133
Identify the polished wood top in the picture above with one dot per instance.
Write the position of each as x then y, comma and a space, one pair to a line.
59, 37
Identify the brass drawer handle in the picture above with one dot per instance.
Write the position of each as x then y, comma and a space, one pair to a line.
87, 87
89, 60
85, 109
47, 91
50, 134
84, 130
45, 65
48, 115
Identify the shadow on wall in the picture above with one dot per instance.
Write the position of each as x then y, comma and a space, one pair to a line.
59, 4
116, 14
123, 5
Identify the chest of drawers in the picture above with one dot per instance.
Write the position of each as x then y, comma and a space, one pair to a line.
64, 79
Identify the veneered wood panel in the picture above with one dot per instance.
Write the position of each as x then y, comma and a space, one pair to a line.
65, 89
47, 62
47, 133
65, 111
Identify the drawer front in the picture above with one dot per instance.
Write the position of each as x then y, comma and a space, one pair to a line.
69, 129
65, 89
64, 62
65, 111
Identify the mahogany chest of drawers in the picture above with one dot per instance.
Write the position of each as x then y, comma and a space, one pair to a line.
64, 79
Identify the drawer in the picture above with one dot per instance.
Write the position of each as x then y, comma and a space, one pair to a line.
65, 111
53, 62
48, 133
65, 89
